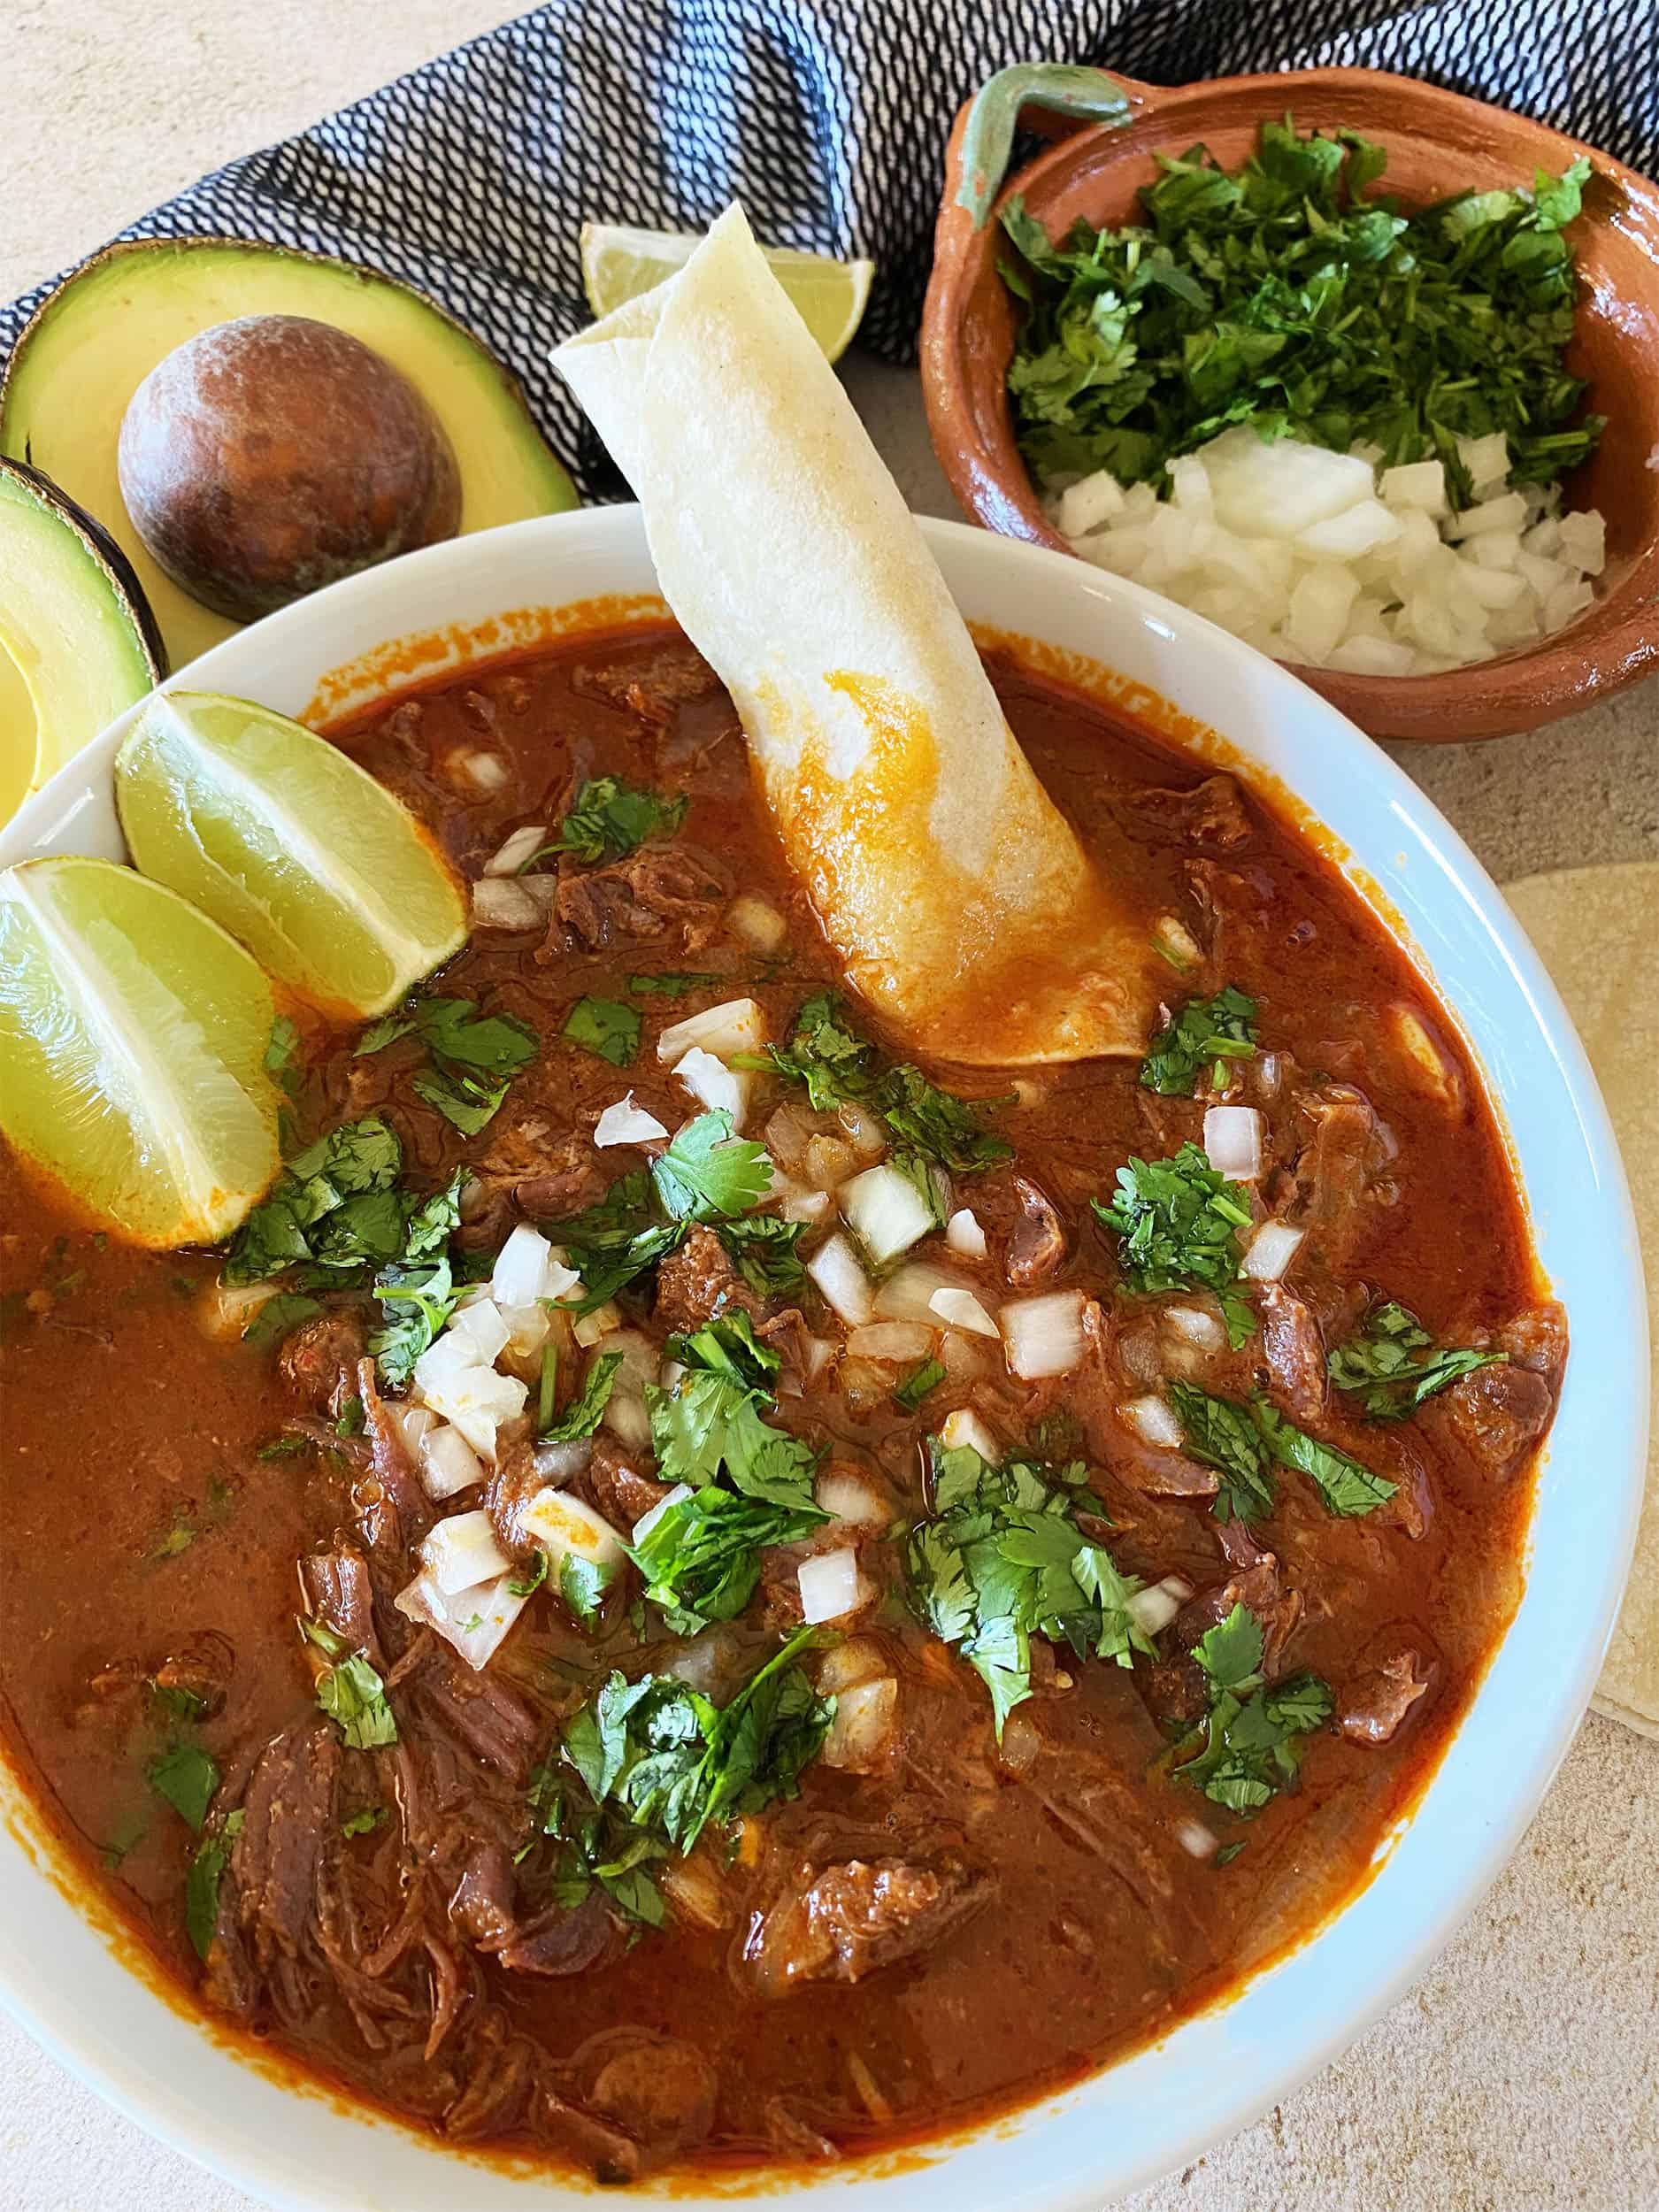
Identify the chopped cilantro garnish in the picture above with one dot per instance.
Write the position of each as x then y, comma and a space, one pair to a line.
673, 983
277, 1316
182, 1703
707, 1171
475, 1057
670, 1761
418, 1293
607, 818
1003, 1560
711, 1421
1283, 297
284, 1448
526, 1584
1213, 1030
586, 1410
594, 1845
764, 1246
605, 1026
1378, 1362
583, 1584
187, 1776
352, 1417
926, 1375
364, 1823
701, 1555
1178, 1221
320, 1208
201, 1889
1244, 1442
1248, 1743
351, 1693
127, 1834
836, 1065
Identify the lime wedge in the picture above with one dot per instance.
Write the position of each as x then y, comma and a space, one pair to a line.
618, 264
133, 1040
326, 877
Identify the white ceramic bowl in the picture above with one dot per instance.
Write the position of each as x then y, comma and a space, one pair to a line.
61, 1976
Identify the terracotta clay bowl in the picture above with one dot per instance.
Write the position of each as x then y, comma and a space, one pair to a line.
1438, 143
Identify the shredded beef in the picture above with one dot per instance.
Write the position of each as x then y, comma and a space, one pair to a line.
700, 1280
1211, 814
652, 891
286, 1814
392, 1510
482, 1905
339, 1595
1036, 1243
1340, 1171
1294, 1349
318, 1362
1259, 1589
559, 1942
616, 1488
494, 1721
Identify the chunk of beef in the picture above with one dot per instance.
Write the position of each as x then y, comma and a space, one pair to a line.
492, 1721
700, 1280
1375, 1705
1233, 914
1293, 1348
318, 1362
392, 1510
1258, 1588
653, 686
654, 890
1211, 814
661, 2089
1499, 1416
1340, 1169
508, 1491
1097, 1394
558, 1942
616, 1488
196, 1676
340, 1595
1536, 1338
287, 1814
531, 1168
852, 1919
501, 2067
1036, 1243
482, 1905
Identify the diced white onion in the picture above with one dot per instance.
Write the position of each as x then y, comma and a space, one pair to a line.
862, 1725
1197, 1838
737, 1025
647, 1522
847, 1494
907, 1293
835, 1268
473, 1621
827, 1162
226, 1313
1194, 1326
1022, 1741
886, 1212
524, 1269
600, 1322
805, 1205
476, 1399
448, 1463
560, 1463
1153, 1609
518, 847
961, 1309
966, 1358
500, 903
529, 1329
713, 1084
831, 1586
891, 1340
1176, 942
756, 923
624, 1123
964, 1234
964, 1428
485, 772
625, 1414
1043, 1336
1271, 1251
863, 1130
565, 1527
476, 1333
461, 1551
1233, 1141
412, 1423
1154, 1419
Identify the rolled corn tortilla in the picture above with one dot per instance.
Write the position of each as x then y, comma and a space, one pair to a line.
963, 907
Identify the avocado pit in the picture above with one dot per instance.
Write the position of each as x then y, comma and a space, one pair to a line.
265, 458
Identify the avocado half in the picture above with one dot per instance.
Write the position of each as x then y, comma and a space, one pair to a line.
91, 342
78, 642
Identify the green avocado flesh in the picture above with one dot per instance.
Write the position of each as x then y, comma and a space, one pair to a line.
99, 336
75, 647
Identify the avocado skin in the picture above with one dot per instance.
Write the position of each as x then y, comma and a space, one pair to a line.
123, 580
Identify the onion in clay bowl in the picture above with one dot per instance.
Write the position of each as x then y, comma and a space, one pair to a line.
926, 1201
1421, 606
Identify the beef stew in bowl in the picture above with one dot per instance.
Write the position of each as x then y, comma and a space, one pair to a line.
1100, 1489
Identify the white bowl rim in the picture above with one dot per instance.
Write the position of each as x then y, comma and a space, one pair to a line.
1229, 2064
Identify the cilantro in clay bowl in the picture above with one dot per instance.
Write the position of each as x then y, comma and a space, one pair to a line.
1365, 372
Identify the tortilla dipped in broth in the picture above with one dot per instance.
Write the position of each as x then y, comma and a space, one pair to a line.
955, 891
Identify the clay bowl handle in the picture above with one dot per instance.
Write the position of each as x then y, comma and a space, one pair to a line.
1052, 98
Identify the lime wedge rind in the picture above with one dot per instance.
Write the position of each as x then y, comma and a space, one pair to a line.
133, 1034
621, 263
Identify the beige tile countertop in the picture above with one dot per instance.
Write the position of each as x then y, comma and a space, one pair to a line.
1522, 2074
